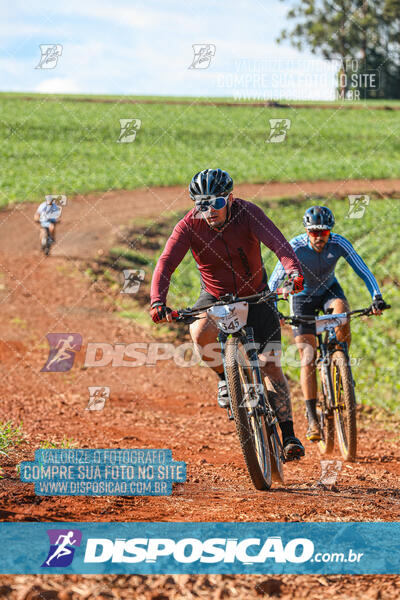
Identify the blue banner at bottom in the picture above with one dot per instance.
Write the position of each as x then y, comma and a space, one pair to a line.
195, 548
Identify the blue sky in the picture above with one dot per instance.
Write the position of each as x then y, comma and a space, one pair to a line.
136, 47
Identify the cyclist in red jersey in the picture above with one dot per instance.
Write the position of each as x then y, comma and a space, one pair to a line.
224, 235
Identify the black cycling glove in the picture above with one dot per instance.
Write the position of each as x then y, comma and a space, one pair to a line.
378, 303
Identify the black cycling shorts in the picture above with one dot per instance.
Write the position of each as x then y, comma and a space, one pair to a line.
263, 318
309, 306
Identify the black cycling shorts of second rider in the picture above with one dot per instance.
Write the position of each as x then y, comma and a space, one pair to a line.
307, 306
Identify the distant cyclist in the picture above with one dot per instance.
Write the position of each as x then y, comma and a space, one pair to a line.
318, 251
224, 235
48, 214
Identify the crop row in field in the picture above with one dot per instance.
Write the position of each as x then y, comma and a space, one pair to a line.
71, 147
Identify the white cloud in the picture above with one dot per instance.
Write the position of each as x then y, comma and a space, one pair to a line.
141, 17
145, 47
58, 85
19, 29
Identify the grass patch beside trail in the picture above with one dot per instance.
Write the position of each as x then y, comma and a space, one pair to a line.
64, 443
375, 342
10, 436
71, 147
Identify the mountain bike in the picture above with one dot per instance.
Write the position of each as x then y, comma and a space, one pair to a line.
336, 406
47, 241
249, 405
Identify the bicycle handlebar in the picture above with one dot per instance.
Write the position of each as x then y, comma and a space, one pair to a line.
359, 312
186, 314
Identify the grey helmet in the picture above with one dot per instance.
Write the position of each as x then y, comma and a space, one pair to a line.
318, 217
210, 182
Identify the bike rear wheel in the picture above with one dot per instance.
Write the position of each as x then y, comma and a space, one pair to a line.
344, 405
48, 240
250, 424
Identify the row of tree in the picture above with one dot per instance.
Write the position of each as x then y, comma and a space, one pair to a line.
364, 35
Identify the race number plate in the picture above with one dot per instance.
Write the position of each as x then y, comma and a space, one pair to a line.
230, 317
326, 322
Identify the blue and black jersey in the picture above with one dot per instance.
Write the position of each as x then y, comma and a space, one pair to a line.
319, 267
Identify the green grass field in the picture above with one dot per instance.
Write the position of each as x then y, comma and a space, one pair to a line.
217, 99
375, 342
71, 147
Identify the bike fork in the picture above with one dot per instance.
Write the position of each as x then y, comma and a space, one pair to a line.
261, 400
326, 379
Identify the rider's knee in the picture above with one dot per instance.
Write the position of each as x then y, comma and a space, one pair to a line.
307, 354
200, 333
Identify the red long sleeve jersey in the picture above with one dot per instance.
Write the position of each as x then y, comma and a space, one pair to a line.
229, 260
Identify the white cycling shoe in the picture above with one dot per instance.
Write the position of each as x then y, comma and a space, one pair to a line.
223, 398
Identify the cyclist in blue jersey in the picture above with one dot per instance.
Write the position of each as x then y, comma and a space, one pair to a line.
318, 251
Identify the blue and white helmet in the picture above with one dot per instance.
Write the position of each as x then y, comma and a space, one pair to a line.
318, 217
210, 182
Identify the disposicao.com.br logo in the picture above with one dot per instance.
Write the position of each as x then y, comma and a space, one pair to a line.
175, 555
248, 551
190, 550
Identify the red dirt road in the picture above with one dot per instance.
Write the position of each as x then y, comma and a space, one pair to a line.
164, 407
92, 221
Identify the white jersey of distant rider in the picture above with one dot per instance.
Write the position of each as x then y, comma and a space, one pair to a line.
49, 211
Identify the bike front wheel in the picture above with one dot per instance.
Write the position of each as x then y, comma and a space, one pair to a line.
275, 449
344, 405
325, 418
250, 422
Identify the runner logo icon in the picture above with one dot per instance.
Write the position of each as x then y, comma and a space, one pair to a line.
98, 396
63, 347
278, 130
50, 53
133, 279
129, 128
357, 206
62, 547
203, 53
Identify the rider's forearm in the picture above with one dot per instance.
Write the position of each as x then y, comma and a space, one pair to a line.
364, 273
161, 281
358, 265
173, 254
277, 276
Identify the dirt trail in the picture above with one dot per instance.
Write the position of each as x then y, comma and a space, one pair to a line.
168, 407
91, 222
